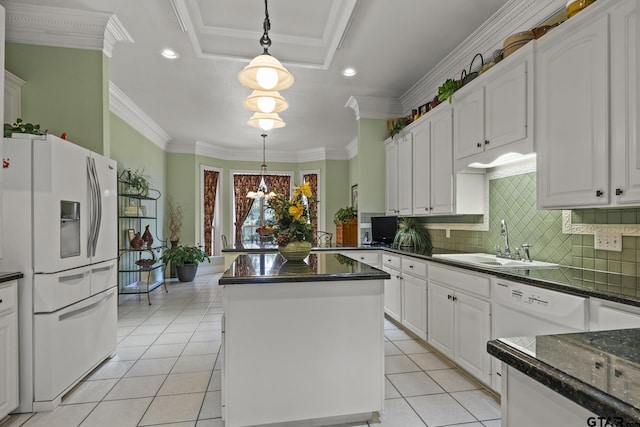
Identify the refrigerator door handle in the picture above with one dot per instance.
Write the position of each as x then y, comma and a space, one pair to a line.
90, 179
98, 206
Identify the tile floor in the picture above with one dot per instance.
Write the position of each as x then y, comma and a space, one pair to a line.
167, 372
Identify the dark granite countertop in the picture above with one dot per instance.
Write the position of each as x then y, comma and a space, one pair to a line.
577, 281
7, 277
599, 371
270, 267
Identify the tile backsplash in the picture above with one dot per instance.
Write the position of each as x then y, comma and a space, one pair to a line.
513, 198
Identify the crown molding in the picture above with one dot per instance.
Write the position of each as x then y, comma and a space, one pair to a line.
62, 27
513, 17
352, 149
374, 107
122, 106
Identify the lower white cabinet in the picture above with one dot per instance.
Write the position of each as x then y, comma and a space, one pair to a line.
459, 322
393, 294
604, 315
8, 347
414, 305
369, 257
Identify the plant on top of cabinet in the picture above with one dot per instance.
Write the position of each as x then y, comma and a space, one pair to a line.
413, 234
345, 214
136, 181
397, 127
447, 89
175, 221
21, 127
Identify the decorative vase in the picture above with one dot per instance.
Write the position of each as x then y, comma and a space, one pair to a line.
295, 268
136, 242
147, 238
295, 251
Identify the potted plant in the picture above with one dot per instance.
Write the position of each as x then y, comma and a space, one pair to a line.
447, 89
397, 127
21, 127
186, 259
136, 182
414, 235
346, 221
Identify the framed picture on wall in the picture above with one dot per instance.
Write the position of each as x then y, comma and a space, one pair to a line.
354, 196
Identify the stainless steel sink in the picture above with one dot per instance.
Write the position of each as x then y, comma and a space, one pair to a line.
489, 260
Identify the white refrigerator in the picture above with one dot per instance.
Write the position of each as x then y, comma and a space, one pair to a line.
59, 219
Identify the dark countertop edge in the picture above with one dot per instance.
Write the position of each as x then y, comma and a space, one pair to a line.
7, 277
510, 274
303, 278
583, 394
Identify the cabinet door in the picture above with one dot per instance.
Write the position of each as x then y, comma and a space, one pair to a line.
442, 177
625, 102
421, 168
8, 363
391, 174
472, 331
506, 107
572, 122
469, 124
440, 318
405, 153
414, 305
393, 294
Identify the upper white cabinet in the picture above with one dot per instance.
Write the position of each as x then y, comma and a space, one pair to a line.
493, 115
587, 109
420, 176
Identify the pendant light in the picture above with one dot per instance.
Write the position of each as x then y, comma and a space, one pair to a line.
262, 101
266, 121
262, 191
265, 72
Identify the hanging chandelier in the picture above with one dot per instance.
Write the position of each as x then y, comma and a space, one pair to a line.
266, 76
262, 191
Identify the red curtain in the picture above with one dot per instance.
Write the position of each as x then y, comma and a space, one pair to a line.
280, 184
242, 184
209, 185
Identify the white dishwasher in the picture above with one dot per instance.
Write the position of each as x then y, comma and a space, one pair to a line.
523, 310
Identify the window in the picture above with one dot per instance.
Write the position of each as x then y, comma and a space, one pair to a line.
209, 210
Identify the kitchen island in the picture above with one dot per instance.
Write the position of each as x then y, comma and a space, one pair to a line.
588, 378
302, 342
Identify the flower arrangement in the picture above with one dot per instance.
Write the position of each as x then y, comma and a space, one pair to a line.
293, 218
266, 230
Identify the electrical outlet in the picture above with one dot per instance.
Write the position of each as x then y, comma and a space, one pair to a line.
608, 241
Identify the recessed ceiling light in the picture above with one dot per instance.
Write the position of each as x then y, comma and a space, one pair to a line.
349, 72
169, 53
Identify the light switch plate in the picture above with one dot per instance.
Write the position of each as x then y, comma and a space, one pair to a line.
608, 241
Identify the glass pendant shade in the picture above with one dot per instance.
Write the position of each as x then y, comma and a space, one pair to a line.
265, 72
262, 101
266, 121
263, 192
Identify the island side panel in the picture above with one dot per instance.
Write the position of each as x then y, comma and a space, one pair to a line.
301, 351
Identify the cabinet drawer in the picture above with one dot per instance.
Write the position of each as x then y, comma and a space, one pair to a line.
414, 266
54, 291
367, 257
8, 296
391, 260
459, 279
103, 276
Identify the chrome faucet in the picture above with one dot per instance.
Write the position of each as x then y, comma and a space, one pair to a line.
527, 255
505, 234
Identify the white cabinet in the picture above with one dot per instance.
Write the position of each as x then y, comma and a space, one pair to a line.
604, 315
391, 177
392, 287
414, 296
459, 318
369, 257
493, 114
587, 121
8, 347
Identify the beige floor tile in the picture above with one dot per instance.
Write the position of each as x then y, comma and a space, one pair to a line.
390, 349
204, 335
390, 392
181, 327
215, 383
188, 319
121, 413
135, 387
178, 337
194, 363
210, 423
398, 413
201, 347
152, 367
430, 361
129, 353
149, 330
389, 325
184, 424
157, 351
62, 416
492, 423
173, 409
440, 410
397, 335
208, 326
398, 364
89, 391
480, 403
17, 420
111, 370
212, 405
414, 384
188, 382
411, 347
453, 380
136, 340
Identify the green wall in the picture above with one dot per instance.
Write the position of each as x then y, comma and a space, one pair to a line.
66, 90
371, 176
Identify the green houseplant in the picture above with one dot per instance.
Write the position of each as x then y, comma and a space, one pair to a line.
186, 259
136, 182
447, 89
21, 127
345, 214
413, 234
346, 220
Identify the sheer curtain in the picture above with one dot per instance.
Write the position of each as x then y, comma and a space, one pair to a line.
242, 184
209, 186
